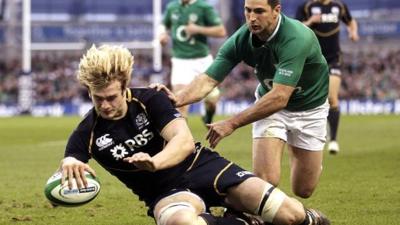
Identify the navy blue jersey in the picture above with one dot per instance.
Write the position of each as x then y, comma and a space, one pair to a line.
203, 172
328, 30
109, 141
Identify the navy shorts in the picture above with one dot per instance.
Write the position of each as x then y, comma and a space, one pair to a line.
209, 177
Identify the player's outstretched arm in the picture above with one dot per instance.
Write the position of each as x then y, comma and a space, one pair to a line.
270, 103
198, 89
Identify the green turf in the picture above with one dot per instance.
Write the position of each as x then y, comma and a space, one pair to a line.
360, 186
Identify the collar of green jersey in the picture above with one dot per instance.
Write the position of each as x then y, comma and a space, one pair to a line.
254, 39
190, 2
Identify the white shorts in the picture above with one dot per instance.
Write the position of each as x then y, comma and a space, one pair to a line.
185, 70
304, 129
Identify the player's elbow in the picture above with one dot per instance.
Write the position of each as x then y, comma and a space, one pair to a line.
221, 32
280, 101
188, 144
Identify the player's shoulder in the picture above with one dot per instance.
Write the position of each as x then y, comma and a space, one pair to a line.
293, 27
145, 94
295, 32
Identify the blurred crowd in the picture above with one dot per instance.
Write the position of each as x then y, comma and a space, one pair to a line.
367, 74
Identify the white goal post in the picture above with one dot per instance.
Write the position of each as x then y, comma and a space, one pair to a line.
29, 46
25, 96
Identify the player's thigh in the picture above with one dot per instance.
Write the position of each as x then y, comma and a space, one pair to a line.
269, 137
306, 169
182, 201
267, 154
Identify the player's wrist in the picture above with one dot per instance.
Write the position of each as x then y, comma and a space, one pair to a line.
234, 123
69, 160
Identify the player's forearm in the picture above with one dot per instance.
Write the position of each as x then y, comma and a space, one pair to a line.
266, 106
215, 31
353, 27
176, 150
196, 90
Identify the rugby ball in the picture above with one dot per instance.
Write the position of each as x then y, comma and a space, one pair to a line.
62, 195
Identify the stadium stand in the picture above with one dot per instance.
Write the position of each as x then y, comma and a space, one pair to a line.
372, 68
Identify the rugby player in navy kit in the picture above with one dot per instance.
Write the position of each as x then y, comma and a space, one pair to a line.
323, 17
138, 136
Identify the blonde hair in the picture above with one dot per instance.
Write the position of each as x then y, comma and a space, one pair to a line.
101, 66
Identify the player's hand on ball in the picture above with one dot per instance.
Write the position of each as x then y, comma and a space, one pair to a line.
73, 168
142, 161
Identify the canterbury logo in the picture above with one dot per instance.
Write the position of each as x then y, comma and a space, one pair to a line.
103, 141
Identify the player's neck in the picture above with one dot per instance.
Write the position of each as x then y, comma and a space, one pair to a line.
186, 2
270, 31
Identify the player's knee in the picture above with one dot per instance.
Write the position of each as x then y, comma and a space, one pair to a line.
304, 189
290, 216
291, 212
303, 192
179, 213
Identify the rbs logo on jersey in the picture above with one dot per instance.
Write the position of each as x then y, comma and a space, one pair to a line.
139, 140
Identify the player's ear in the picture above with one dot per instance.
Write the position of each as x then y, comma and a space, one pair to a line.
277, 11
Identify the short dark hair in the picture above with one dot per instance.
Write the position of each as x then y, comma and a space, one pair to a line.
274, 3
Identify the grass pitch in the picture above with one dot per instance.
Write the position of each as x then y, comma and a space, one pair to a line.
360, 186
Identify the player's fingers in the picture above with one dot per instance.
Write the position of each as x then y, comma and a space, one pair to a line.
215, 142
83, 176
211, 135
70, 178
90, 170
173, 99
78, 178
211, 139
64, 174
161, 87
157, 86
133, 158
208, 135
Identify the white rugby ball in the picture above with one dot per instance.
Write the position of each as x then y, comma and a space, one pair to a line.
62, 195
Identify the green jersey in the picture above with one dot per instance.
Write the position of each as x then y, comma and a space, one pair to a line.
177, 16
291, 56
